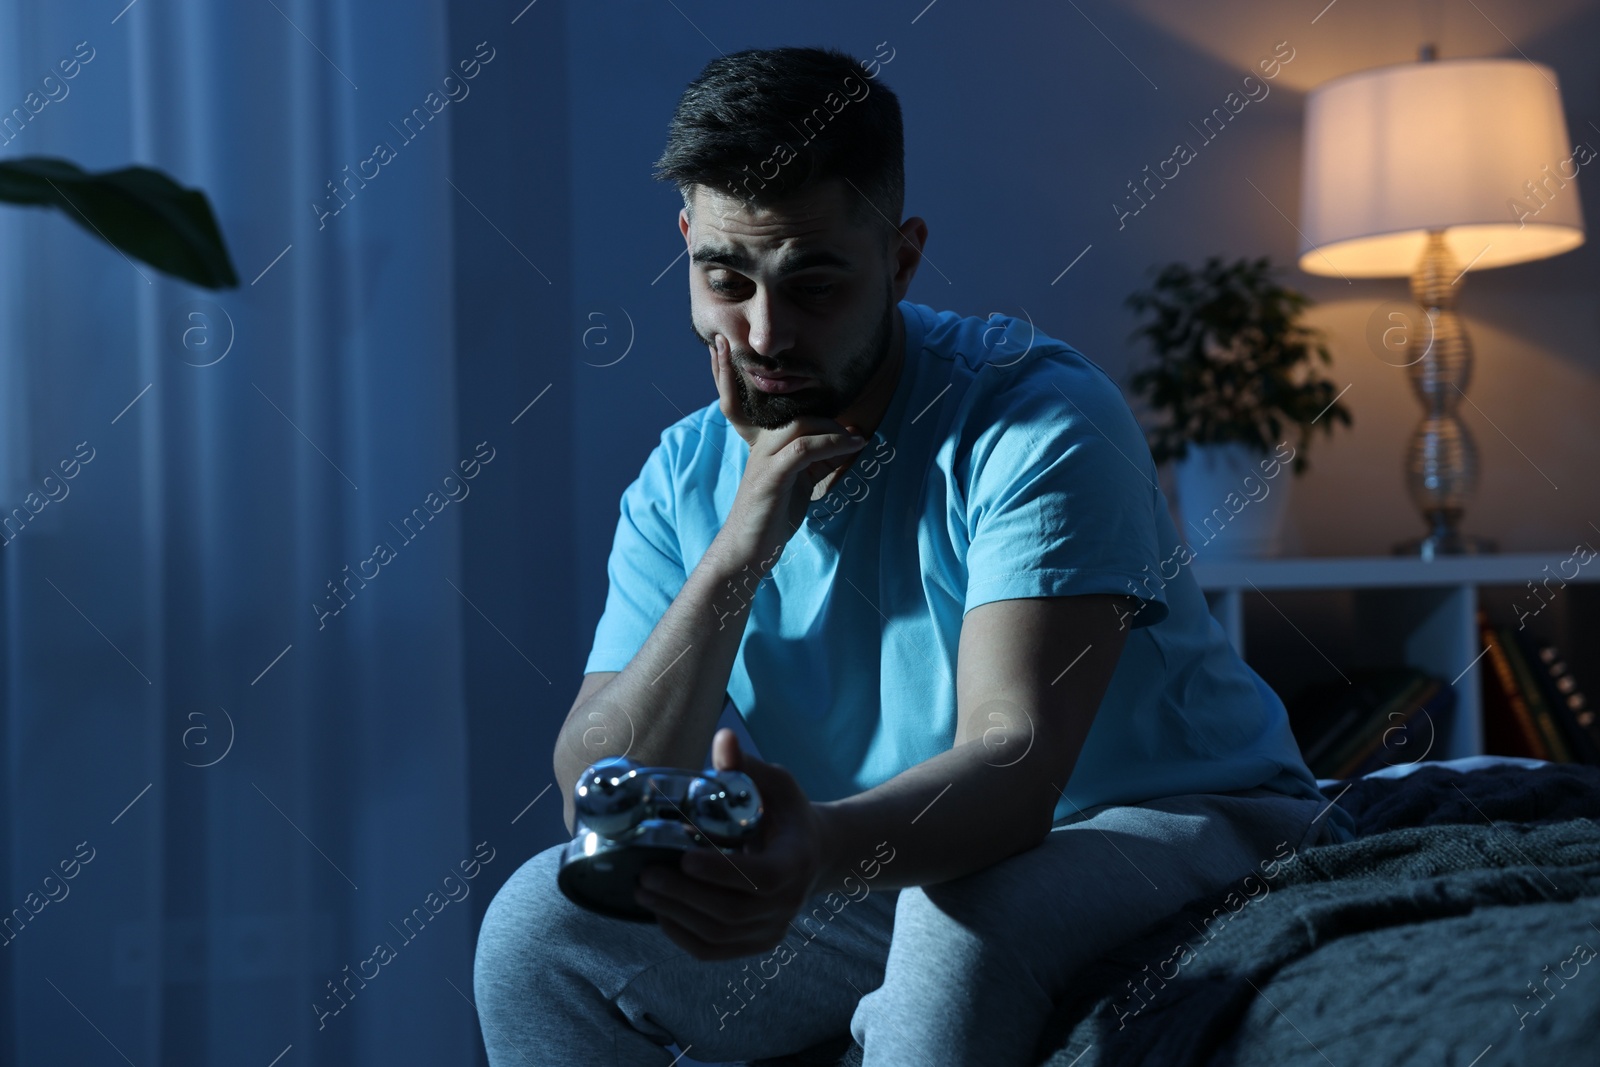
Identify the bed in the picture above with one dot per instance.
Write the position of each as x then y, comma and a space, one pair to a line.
1459, 928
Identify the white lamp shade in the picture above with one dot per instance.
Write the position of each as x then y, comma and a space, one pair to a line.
1448, 144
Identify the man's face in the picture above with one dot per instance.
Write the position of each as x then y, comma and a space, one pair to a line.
801, 289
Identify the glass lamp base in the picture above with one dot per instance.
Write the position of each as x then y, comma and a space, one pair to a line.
1445, 543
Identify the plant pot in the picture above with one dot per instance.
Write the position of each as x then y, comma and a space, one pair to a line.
1231, 508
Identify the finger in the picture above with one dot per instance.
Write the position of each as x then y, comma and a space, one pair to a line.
740, 871
813, 425
686, 941
823, 449
703, 950
821, 469
731, 871
706, 925
706, 865
724, 400
776, 785
725, 752
723, 372
683, 896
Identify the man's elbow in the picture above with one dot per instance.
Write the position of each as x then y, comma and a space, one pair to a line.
1041, 812
1038, 828
1028, 813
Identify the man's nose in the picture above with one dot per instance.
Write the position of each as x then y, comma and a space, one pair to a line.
769, 332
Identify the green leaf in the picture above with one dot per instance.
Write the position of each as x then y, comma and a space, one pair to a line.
1232, 362
138, 210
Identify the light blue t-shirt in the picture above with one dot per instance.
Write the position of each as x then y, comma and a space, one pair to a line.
1007, 465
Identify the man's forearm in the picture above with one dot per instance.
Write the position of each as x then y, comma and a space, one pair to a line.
945, 817
662, 708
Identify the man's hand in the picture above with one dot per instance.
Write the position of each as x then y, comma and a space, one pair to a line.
785, 465
721, 906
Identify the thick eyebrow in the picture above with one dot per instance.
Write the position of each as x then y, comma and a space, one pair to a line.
794, 263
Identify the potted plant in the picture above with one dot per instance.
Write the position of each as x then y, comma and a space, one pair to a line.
1234, 368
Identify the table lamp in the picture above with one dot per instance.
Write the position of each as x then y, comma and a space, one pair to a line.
1431, 169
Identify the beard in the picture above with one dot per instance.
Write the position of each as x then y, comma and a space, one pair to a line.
826, 395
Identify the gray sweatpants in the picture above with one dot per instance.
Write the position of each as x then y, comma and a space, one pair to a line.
961, 972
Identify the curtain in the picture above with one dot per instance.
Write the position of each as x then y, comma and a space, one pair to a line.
232, 734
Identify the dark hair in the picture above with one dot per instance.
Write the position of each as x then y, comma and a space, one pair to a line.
811, 113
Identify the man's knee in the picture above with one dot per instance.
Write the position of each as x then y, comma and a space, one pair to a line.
1004, 915
986, 902
521, 938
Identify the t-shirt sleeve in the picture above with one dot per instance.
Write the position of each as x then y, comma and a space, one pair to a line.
1062, 495
645, 570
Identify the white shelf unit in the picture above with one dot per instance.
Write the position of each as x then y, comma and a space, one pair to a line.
1343, 612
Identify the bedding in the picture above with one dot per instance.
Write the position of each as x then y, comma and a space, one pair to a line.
1460, 927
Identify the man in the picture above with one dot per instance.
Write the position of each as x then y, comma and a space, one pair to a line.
1005, 734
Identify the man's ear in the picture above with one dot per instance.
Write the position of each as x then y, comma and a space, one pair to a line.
683, 222
905, 253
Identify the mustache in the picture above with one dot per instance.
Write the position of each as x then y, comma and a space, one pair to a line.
774, 372
741, 359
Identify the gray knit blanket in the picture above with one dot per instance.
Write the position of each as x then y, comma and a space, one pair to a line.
1421, 945
1461, 929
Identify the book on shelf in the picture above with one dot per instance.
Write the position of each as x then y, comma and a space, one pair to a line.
1533, 696
1570, 709
1344, 724
1358, 744
1321, 715
1508, 726
1408, 732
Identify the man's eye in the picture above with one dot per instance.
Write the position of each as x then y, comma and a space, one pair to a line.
816, 291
